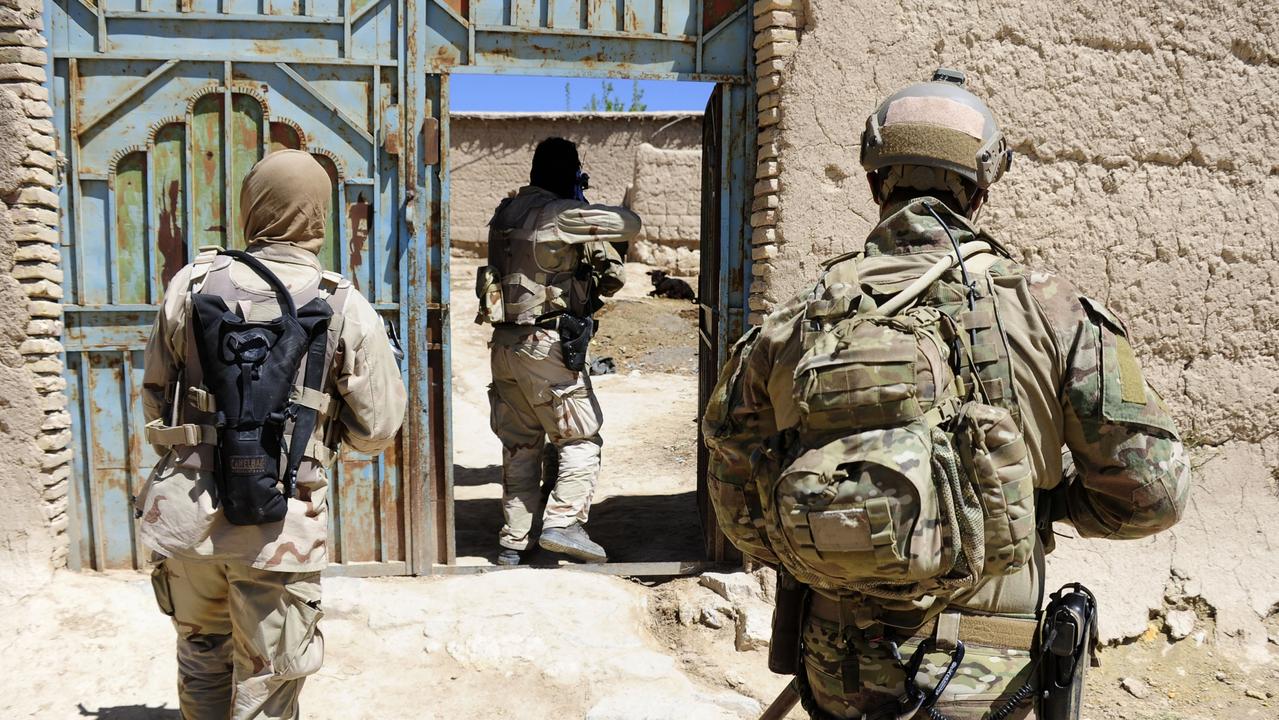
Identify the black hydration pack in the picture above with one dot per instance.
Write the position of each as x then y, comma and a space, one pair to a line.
250, 368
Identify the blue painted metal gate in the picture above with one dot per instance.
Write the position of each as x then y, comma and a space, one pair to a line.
162, 106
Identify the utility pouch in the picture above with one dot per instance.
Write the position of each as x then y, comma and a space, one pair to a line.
575, 340
488, 289
1068, 643
788, 622
160, 586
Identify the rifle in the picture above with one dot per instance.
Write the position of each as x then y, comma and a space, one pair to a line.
786, 701
576, 332
784, 646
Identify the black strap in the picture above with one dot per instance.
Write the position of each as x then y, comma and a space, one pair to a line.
304, 418
282, 294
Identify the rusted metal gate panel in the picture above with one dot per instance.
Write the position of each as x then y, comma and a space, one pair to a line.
162, 108
163, 105
728, 153
706, 39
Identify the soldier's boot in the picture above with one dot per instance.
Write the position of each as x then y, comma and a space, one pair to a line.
508, 557
574, 542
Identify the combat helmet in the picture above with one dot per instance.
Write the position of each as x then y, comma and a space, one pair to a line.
938, 125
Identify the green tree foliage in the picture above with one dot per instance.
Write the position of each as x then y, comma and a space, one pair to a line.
607, 101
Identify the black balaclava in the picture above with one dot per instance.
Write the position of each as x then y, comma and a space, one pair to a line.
555, 166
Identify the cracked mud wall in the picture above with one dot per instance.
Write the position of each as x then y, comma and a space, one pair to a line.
33, 419
1146, 173
490, 154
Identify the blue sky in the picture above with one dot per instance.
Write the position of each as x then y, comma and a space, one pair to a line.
508, 93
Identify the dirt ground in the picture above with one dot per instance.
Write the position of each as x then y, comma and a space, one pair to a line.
518, 644
530, 644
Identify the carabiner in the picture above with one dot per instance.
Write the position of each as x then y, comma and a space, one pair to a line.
929, 698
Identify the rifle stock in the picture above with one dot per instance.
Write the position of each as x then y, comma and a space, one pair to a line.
786, 701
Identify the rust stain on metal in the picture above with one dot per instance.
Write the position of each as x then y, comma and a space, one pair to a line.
359, 523
244, 134
284, 137
390, 503
714, 11
446, 55
463, 7
358, 215
392, 144
171, 239
431, 138
328, 166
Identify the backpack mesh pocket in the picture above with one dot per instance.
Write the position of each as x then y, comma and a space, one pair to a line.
994, 452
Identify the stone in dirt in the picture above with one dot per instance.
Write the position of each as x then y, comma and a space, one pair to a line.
1180, 623
1135, 687
737, 588
767, 578
714, 611
754, 626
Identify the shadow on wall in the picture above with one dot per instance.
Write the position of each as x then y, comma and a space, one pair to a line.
131, 712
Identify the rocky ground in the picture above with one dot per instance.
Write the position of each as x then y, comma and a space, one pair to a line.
527, 644
557, 643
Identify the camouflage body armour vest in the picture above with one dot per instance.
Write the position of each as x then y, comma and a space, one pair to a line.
527, 280
908, 473
195, 407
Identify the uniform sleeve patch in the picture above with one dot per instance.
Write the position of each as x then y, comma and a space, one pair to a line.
1132, 386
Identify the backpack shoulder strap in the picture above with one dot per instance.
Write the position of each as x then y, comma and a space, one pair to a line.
331, 282
838, 293
335, 289
202, 264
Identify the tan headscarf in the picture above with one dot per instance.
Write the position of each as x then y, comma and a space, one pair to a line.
287, 198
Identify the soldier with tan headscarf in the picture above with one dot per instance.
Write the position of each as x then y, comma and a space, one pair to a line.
550, 259
245, 599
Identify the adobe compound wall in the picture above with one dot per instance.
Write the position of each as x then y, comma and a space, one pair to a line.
34, 423
650, 162
1145, 172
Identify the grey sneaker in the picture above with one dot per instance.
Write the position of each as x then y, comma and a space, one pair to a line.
574, 542
508, 557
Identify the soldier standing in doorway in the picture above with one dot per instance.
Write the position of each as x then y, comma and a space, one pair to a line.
893, 440
260, 365
550, 259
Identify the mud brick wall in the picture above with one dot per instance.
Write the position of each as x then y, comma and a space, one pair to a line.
490, 155
34, 422
668, 195
1145, 172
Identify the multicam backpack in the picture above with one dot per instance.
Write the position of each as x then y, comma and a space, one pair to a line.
903, 478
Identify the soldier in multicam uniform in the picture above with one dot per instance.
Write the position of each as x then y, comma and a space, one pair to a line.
1070, 377
551, 256
245, 599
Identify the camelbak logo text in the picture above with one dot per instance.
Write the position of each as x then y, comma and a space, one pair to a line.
248, 464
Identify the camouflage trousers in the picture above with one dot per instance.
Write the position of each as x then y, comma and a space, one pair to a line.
247, 638
850, 676
535, 399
